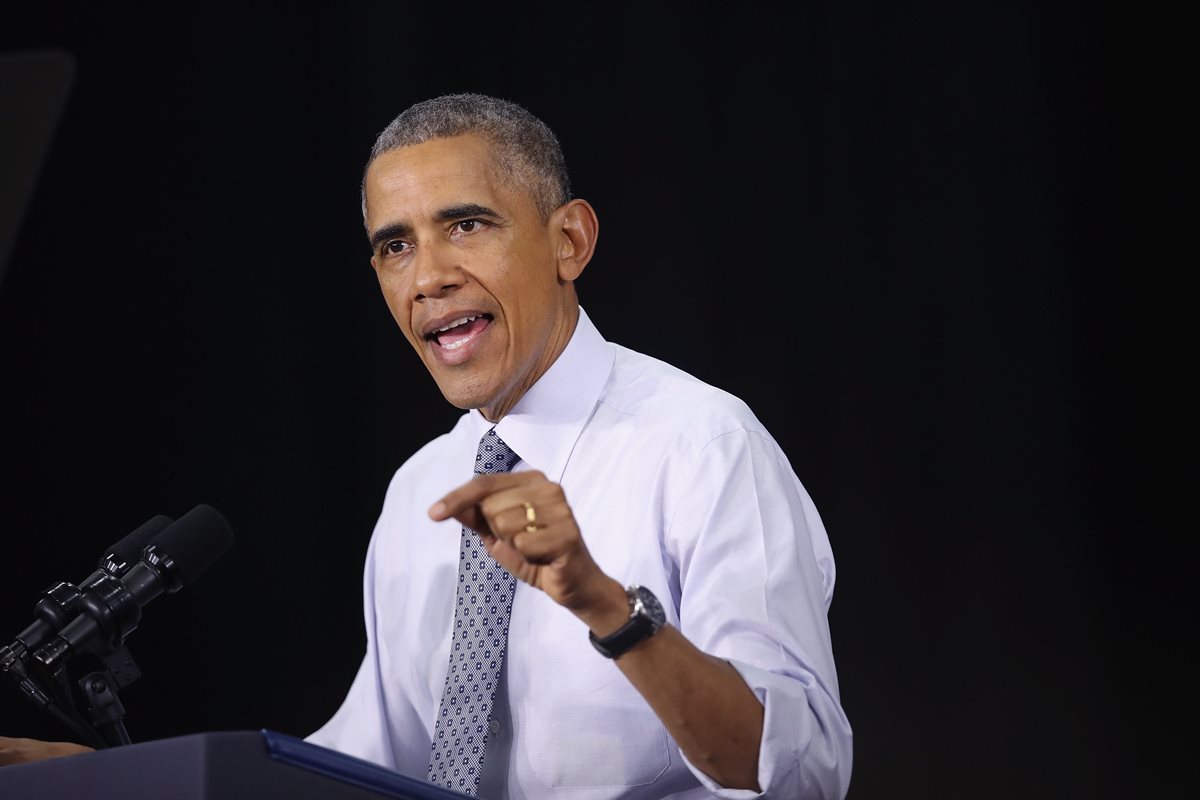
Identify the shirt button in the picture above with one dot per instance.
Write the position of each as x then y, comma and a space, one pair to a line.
493, 726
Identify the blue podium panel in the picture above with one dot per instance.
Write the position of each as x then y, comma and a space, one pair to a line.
233, 765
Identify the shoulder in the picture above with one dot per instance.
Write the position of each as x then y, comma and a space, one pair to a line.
660, 397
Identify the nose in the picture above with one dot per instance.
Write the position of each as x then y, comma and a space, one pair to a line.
436, 271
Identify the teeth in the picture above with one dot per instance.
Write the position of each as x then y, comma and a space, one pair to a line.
456, 323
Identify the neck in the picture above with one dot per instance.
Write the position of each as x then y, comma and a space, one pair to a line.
555, 344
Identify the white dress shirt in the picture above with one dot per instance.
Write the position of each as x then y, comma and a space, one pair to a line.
675, 486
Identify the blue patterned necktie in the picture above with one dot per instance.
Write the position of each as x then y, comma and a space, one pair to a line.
482, 606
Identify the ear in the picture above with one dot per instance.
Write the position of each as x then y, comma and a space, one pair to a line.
575, 227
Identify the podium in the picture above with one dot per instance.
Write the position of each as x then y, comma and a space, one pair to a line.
233, 765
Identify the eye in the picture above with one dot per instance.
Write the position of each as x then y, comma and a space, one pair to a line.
469, 225
394, 247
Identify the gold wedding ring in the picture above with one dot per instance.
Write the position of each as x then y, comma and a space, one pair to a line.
530, 518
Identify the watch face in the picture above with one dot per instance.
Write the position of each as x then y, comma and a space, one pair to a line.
650, 607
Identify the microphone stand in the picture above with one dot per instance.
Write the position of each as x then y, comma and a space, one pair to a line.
99, 690
62, 709
108, 670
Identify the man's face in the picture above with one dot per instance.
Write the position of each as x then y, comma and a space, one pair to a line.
468, 269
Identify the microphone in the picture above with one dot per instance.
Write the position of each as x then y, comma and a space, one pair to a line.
60, 603
111, 608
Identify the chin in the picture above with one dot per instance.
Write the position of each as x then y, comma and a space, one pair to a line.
464, 397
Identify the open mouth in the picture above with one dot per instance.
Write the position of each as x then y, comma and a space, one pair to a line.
457, 333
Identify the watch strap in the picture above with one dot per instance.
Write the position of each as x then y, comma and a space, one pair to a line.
641, 625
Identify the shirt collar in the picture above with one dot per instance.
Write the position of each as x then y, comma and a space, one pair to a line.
545, 423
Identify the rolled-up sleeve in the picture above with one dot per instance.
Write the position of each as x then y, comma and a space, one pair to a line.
755, 580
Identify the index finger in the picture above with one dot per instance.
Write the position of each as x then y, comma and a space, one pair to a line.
473, 492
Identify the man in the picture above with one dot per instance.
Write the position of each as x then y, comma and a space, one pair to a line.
630, 473
668, 631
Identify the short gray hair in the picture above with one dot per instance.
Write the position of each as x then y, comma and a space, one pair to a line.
526, 150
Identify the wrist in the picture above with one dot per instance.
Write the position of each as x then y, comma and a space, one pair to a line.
646, 618
608, 609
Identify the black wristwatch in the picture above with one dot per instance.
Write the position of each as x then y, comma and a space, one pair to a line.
646, 617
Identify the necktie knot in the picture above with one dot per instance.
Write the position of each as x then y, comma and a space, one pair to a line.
494, 455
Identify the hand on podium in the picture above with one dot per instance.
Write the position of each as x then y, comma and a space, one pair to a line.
23, 751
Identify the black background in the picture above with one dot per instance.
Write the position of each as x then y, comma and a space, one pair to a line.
896, 231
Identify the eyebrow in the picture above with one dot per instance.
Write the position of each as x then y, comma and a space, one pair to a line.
448, 214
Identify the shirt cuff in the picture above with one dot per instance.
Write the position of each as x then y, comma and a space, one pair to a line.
801, 723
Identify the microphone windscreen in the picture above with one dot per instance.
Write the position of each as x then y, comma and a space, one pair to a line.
195, 541
120, 556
